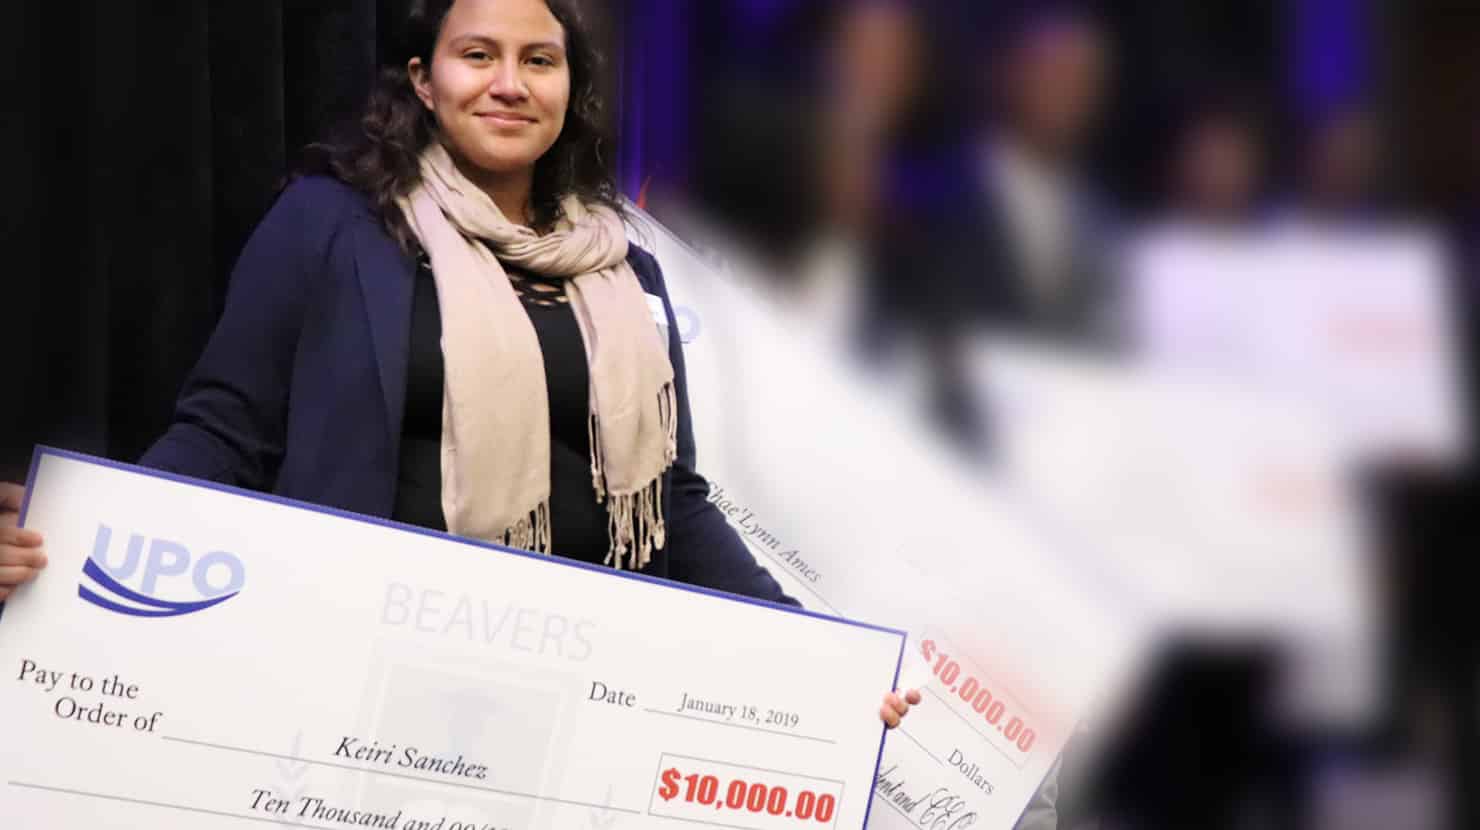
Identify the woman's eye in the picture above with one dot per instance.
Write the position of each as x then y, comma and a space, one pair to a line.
478, 56
542, 60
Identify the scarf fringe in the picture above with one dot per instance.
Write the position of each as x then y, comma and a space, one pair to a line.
532, 532
598, 463
636, 527
668, 415
635, 520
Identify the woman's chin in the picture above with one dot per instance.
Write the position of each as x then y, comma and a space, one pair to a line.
505, 160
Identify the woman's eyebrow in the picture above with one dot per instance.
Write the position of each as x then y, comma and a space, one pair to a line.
473, 38
485, 40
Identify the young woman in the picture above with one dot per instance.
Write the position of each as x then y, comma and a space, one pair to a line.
451, 330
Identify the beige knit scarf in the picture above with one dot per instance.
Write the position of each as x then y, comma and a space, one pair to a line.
495, 410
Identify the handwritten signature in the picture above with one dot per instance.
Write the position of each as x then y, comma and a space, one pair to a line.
940, 809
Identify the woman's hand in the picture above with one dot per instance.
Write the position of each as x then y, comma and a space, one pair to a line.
21, 556
896, 706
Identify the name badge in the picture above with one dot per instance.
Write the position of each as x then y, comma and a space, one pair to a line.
660, 314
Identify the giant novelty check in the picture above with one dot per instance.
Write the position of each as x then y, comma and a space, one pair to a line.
1355, 325
855, 512
201, 658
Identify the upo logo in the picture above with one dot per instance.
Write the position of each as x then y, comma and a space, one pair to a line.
167, 572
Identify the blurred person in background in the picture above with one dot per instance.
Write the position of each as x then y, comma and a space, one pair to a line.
1217, 167
872, 73
791, 197
1046, 223
1340, 168
993, 223
1197, 748
990, 222
1340, 187
871, 76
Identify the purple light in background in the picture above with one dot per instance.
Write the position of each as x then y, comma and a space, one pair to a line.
654, 92
1331, 45
761, 15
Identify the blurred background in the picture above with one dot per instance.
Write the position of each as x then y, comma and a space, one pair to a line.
909, 172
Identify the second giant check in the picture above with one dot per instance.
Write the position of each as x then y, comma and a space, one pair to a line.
857, 511
200, 658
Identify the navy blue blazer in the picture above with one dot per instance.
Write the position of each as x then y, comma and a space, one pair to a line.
301, 388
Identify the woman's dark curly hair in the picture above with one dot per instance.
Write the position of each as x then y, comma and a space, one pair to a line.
382, 157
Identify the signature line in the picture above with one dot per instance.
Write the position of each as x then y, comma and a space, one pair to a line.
739, 726
405, 777
159, 804
892, 805
901, 731
987, 740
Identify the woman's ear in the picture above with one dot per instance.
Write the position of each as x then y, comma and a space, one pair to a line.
421, 81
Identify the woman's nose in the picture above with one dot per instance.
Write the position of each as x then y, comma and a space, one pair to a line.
507, 83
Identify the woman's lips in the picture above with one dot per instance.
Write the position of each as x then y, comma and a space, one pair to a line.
505, 119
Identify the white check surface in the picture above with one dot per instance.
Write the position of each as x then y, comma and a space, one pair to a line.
365, 671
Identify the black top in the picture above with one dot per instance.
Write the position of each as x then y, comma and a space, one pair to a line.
578, 524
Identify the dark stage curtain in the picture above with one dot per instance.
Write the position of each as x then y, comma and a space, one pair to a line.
145, 138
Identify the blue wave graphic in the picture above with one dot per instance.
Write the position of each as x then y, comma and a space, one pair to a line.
155, 607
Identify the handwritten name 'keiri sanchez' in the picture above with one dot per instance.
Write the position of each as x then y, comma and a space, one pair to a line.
408, 758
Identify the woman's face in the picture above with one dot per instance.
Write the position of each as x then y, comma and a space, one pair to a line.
499, 83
